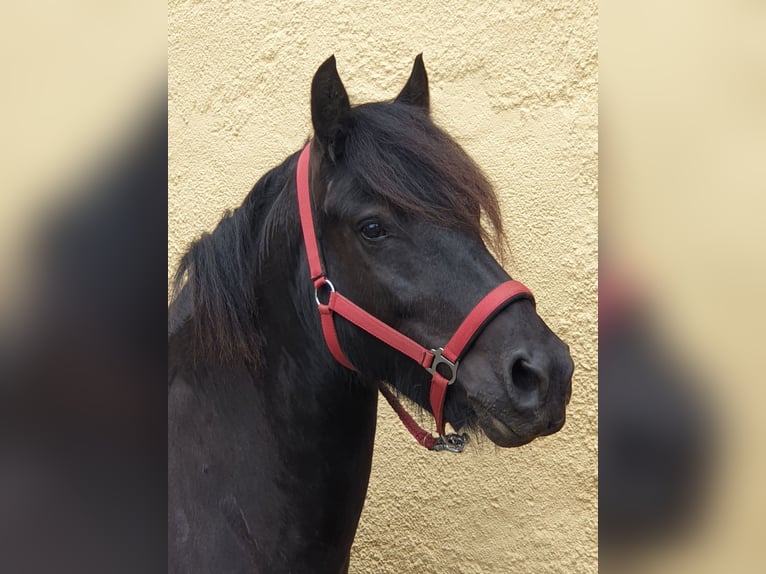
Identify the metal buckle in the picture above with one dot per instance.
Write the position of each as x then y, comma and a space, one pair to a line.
440, 360
316, 290
451, 442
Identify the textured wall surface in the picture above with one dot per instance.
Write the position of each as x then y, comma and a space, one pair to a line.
516, 84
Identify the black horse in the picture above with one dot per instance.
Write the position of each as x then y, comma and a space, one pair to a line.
271, 439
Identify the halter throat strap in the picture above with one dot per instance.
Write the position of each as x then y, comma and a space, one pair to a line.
442, 363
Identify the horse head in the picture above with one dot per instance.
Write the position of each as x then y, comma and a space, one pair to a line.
399, 210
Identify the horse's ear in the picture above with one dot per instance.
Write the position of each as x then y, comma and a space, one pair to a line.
415, 91
329, 104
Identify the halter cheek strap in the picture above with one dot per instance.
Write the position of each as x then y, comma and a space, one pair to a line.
442, 363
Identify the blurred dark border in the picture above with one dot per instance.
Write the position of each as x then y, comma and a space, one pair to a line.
83, 399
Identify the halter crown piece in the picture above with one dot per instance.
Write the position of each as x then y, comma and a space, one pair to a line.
442, 363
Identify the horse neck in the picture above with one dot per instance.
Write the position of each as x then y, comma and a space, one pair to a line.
281, 454
318, 403
316, 432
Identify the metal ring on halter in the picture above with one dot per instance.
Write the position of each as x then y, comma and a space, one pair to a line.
439, 359
316, 290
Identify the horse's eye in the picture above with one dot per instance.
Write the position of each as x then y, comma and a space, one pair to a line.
373, 230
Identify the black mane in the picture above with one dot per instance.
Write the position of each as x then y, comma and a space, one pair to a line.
392, 150
214, 288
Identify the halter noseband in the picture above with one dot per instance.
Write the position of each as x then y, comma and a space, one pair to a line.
445, 359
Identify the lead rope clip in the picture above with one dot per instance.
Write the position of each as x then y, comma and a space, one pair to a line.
451, 442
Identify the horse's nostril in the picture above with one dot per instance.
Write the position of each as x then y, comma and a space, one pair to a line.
522, 378
529, 379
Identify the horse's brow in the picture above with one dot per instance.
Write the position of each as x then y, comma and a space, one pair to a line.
339, 203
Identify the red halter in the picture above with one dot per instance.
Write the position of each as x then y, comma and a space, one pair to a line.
447, 357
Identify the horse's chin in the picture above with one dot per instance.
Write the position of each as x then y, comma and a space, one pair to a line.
499, 432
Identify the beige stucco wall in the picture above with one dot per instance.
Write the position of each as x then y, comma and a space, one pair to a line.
515, 83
